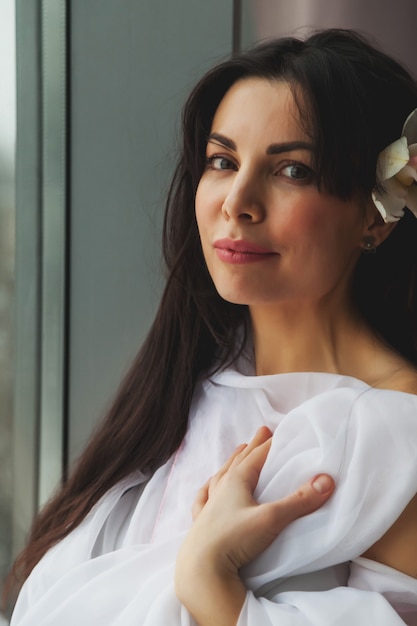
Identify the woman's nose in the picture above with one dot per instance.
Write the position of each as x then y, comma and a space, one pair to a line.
244, 200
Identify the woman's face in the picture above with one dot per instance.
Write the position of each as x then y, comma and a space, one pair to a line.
268, 235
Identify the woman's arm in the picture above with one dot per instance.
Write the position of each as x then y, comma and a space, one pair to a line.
230, 529
398, 547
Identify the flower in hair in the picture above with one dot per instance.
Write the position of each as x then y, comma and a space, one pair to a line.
396, 174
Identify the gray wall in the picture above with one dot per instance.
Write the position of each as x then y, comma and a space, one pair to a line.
131, 65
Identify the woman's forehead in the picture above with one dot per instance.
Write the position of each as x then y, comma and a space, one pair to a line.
253, 104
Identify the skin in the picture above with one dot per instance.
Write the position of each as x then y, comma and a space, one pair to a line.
259, 187
236, 529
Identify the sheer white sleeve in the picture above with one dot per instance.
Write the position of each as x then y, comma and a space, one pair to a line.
341, 606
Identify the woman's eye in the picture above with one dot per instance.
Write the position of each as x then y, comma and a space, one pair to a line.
220, 163
297, 172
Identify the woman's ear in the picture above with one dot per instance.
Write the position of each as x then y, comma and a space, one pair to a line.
375, 230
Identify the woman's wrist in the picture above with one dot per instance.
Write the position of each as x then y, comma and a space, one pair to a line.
213, 594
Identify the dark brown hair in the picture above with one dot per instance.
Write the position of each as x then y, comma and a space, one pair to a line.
355, 100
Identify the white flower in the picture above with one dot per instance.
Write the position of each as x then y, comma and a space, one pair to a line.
396, 174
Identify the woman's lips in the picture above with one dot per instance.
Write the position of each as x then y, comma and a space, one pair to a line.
238, 251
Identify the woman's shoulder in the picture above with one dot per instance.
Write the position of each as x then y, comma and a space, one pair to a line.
391, 401
397, 548
402, 378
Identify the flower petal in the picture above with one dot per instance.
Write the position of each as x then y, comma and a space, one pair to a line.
410, 127
392, 159
390, 207
407, 175
393, 187
396, 186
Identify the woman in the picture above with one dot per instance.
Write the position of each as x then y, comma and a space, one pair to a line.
274, 321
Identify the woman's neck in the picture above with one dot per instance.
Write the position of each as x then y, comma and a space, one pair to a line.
307, 338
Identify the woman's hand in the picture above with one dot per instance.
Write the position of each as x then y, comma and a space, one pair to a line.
230, 529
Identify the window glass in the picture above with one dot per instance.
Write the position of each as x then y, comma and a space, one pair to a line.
7, 201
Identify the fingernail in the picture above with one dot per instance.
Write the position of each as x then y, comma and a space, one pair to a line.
322, 483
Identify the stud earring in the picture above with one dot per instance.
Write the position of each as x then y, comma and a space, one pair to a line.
369, 246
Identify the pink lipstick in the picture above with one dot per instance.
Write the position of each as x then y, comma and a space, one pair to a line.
238, 251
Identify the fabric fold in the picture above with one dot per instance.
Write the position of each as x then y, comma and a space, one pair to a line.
117, 567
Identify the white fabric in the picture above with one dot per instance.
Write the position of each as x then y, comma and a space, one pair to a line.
117, 567
398, 588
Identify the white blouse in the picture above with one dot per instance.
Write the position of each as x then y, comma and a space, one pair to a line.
117, 567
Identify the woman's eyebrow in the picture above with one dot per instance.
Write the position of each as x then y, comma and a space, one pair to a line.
274, 148
225, 141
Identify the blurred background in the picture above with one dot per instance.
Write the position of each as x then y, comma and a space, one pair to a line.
7, 250
94, 89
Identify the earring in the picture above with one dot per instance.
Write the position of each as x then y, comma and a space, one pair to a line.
369, 246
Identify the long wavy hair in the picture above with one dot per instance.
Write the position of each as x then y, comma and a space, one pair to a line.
354, 102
